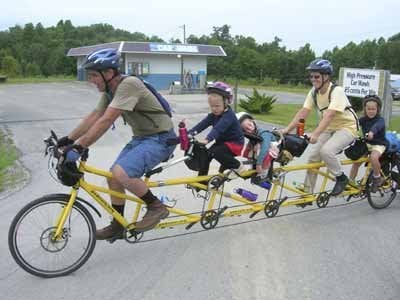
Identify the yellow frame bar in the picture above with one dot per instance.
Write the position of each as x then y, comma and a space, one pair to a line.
197, 181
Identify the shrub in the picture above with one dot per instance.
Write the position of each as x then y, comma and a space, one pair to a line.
257, 103
32, 69
10, 66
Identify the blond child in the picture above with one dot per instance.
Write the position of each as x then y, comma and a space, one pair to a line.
226, 131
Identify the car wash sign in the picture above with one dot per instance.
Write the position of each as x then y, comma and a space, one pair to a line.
360, 82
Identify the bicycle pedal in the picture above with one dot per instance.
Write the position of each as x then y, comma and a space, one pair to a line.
215, 182
222, 210
349, 198
284, 199
114, 238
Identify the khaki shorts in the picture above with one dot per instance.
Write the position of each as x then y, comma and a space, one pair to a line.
378, 148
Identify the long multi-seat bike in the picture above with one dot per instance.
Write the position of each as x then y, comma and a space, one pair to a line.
55, 234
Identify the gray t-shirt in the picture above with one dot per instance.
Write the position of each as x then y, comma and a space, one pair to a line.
140, 108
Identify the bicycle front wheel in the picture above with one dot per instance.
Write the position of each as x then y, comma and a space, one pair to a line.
31, 241
383, 196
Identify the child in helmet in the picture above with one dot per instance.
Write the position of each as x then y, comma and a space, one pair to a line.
373, 128
226, 131
266, 149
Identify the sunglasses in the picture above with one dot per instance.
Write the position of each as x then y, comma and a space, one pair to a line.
315, 76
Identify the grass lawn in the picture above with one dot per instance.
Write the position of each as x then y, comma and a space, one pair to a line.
282, 114
19, 80
280, 88
8, 154
395, 124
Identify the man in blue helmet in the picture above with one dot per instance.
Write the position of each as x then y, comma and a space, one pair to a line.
151, 126
337, 127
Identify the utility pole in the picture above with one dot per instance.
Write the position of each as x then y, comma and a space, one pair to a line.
184, 42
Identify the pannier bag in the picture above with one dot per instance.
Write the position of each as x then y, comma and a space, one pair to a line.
199, 157
356, 150
294, 144
394, 142
68, 173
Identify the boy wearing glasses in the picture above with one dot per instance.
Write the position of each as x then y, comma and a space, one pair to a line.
337, 127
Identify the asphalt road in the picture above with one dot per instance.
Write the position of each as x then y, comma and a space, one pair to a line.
345, 251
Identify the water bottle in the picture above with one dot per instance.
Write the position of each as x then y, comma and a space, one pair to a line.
247, 194
300, 127
265, 184
183, 136
267, 161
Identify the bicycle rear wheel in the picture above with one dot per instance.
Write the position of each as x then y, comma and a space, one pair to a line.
30, 237
384, 196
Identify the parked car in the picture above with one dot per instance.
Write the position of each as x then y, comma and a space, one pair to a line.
395, 84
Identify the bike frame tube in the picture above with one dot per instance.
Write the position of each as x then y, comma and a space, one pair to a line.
198, 181
65, 212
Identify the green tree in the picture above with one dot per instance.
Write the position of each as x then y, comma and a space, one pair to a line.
32, 69
10, 66
47, 48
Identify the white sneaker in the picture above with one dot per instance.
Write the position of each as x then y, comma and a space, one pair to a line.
234, 173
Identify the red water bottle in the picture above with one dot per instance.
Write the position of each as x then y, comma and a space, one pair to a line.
300, 127
183, 136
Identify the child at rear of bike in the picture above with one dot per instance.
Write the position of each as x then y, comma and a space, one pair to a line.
226, 132
265, 150
373, 128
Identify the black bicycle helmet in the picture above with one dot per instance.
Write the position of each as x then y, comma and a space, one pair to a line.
374, 98
320, 65
68, 173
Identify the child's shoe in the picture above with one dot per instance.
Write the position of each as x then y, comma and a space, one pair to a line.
376, 183
234, 173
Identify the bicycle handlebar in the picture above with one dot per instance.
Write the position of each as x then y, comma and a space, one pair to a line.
57, 152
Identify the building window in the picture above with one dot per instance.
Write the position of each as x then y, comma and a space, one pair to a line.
138, 68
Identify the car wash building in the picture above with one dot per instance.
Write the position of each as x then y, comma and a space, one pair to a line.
158, 63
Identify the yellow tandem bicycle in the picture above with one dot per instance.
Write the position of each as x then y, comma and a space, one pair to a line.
54, 235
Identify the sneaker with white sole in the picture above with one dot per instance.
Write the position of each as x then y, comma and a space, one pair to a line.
234, 173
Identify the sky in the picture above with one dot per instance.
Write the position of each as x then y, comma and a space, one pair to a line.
323, 24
